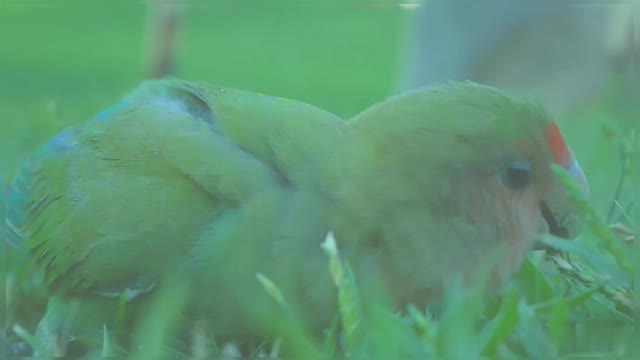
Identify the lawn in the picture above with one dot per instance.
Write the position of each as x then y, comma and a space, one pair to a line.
62, 62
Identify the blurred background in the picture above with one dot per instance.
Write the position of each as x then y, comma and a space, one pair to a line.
62, 62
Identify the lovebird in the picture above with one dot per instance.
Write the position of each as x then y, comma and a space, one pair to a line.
211, 185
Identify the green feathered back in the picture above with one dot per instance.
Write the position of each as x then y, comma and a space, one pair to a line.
107, 206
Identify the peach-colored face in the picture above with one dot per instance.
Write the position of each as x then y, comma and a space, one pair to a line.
488, 220
520, 213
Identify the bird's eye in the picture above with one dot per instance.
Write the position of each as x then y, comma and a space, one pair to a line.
517, 174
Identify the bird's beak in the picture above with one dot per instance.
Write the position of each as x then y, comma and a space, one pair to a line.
558, 213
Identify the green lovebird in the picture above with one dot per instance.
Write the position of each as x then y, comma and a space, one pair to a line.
212, 185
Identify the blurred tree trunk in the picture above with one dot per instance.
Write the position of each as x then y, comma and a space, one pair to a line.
565, 53
164, 22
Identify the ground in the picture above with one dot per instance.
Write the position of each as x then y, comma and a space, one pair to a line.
62, 62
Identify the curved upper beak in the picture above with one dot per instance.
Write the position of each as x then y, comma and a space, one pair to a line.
574, 169
558, 213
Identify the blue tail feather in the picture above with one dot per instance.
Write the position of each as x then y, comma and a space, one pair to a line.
17, 195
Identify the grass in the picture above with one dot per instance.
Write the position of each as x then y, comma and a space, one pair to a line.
64, 61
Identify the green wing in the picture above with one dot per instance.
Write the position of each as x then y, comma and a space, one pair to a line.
108, 206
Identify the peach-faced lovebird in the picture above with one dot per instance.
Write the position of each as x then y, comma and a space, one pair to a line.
214, 185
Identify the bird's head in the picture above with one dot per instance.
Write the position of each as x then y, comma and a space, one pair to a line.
445, 174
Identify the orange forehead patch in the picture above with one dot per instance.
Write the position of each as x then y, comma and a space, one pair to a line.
558, 147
